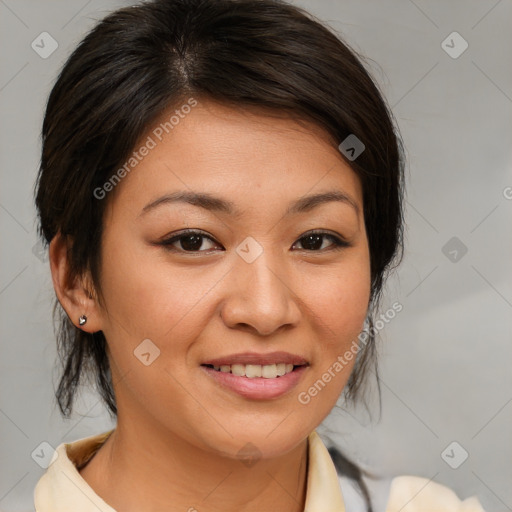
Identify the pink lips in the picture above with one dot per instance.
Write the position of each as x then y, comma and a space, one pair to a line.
257, 388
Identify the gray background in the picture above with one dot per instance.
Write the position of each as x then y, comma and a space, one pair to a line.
445, 359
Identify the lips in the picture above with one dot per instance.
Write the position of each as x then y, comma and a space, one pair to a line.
257, 388
257, 359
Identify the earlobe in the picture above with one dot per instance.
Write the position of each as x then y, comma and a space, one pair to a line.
74, 296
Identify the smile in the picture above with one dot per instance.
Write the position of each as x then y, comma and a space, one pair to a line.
268, 371
257, 382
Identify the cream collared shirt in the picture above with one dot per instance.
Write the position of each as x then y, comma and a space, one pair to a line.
62, 489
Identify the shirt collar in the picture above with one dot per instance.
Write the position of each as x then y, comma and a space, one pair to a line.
62, 488
323, 492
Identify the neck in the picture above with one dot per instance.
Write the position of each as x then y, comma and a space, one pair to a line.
138, 468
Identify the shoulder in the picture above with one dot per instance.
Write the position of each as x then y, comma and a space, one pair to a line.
61, 488
418, 494
406, 494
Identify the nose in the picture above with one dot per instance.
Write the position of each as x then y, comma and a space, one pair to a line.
260, 296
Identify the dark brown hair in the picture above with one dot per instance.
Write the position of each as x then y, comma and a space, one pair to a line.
141, 60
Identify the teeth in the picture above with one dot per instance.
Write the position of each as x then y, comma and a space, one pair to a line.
253, 370
267, 371
238, 369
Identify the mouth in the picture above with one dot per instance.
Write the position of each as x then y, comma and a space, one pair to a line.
257, 376
251, 371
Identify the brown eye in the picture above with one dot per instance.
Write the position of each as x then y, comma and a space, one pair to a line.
314, 241
187, 241
193, 241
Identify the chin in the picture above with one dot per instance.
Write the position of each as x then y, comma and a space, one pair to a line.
256, 443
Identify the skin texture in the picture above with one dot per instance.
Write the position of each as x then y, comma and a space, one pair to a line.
178, 432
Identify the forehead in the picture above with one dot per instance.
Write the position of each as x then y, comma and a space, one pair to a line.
249, 157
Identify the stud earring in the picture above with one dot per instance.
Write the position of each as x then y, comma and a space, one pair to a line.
82, 320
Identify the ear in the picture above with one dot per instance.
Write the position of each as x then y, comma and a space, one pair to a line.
76, 296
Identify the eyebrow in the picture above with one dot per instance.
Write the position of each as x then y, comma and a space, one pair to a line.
217, 204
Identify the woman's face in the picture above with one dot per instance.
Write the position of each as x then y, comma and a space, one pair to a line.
248, 281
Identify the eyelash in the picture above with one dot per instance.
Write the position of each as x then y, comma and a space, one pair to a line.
338, 242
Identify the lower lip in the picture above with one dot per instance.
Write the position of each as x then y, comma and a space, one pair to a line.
257, 388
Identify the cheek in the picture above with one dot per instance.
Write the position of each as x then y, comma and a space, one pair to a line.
338, 305
146, 292
150, 298
348, 304
337, 308
339, 302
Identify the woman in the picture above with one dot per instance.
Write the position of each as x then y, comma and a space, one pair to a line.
221, 192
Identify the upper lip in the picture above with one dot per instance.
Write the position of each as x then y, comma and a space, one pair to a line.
255, 358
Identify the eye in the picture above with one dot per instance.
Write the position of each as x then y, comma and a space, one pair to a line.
190, 241
314, 241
